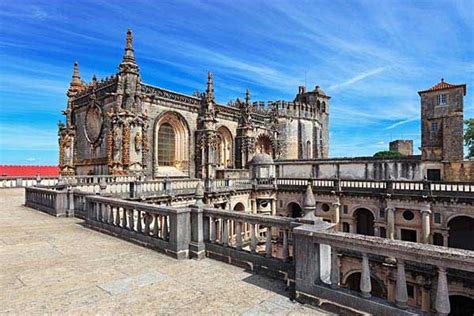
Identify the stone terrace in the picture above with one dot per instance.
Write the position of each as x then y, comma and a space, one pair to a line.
55, 265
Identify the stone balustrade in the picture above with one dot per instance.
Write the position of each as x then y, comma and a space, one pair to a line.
51, 201
309, 240
23, 182
164, 228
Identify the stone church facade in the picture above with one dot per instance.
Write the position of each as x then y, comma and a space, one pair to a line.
120, 125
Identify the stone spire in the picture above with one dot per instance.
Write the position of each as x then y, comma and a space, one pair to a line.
247, 97
76, 83
210, 88
128, 62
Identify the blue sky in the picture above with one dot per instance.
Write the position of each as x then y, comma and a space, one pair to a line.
371, 57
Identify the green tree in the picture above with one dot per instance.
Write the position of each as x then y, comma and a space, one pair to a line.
387, 154
469, 137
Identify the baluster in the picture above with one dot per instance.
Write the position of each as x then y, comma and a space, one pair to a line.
139, 221
365, 286
117, 217
285, 254
147, 221
268, 243
225, 232
401, 294
442, 295
334, 268
155, 225
124, 218
238, 236
212, 229
165, 228
110, 212
131, 219
98, 212
253, 238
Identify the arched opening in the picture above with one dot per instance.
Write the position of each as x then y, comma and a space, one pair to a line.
294, 210
353, 283
224, 148
239, 207
264, 144
461, 234
461, 305
171, 145
364, 222
308, 150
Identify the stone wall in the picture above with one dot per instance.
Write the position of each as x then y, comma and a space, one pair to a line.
459, 171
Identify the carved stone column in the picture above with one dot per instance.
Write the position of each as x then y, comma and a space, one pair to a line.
442, 295
390, 222
336, 206
401, 294
365, 286
426, 225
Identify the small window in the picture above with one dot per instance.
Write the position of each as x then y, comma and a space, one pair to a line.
437, 218
345, 227
441, 99
382, 213
410, 291
345, 209
434, 126
408, 215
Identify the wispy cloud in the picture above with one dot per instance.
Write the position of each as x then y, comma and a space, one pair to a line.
356, 79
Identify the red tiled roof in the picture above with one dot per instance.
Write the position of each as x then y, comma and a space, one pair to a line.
444, 85
28, 171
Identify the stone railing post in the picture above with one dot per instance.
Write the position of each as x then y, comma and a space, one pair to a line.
426, 187
334, 268
401, 294
389, 186
61, 203
442, 295
196, 245
337, 185
70, 199
390, 222
180, 233
365, 286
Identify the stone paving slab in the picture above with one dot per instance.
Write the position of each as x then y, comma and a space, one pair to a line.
57, 266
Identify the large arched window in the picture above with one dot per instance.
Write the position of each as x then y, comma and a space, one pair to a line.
225, 148
166, 145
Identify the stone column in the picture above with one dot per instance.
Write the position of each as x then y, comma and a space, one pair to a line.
365, 286
426, 225
273, 204
442, 305
336, 207
401, 294
390, 222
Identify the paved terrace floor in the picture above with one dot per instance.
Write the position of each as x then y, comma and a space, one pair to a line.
55, 265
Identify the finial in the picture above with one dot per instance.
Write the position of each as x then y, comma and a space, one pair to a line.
210, 87
128, 61
129, 39
76, 84
247, 96
442, 79
94, 80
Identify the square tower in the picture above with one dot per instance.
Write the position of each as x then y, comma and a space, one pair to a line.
442, 122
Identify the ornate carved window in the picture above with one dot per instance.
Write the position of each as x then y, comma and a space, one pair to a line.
166, 145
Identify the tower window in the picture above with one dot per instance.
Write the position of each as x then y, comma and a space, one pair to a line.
441, 99
434, 126
166, 145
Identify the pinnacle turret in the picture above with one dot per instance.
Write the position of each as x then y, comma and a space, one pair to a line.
76, 84
210, 88
128, 62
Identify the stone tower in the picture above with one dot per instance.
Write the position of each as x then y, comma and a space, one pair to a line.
442, 122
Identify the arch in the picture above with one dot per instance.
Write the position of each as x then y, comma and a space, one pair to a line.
225, 148
461, 305
352, 281
174, 126
239, 207
264, 144
364, 221
294, 210
323, 106
461, 232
